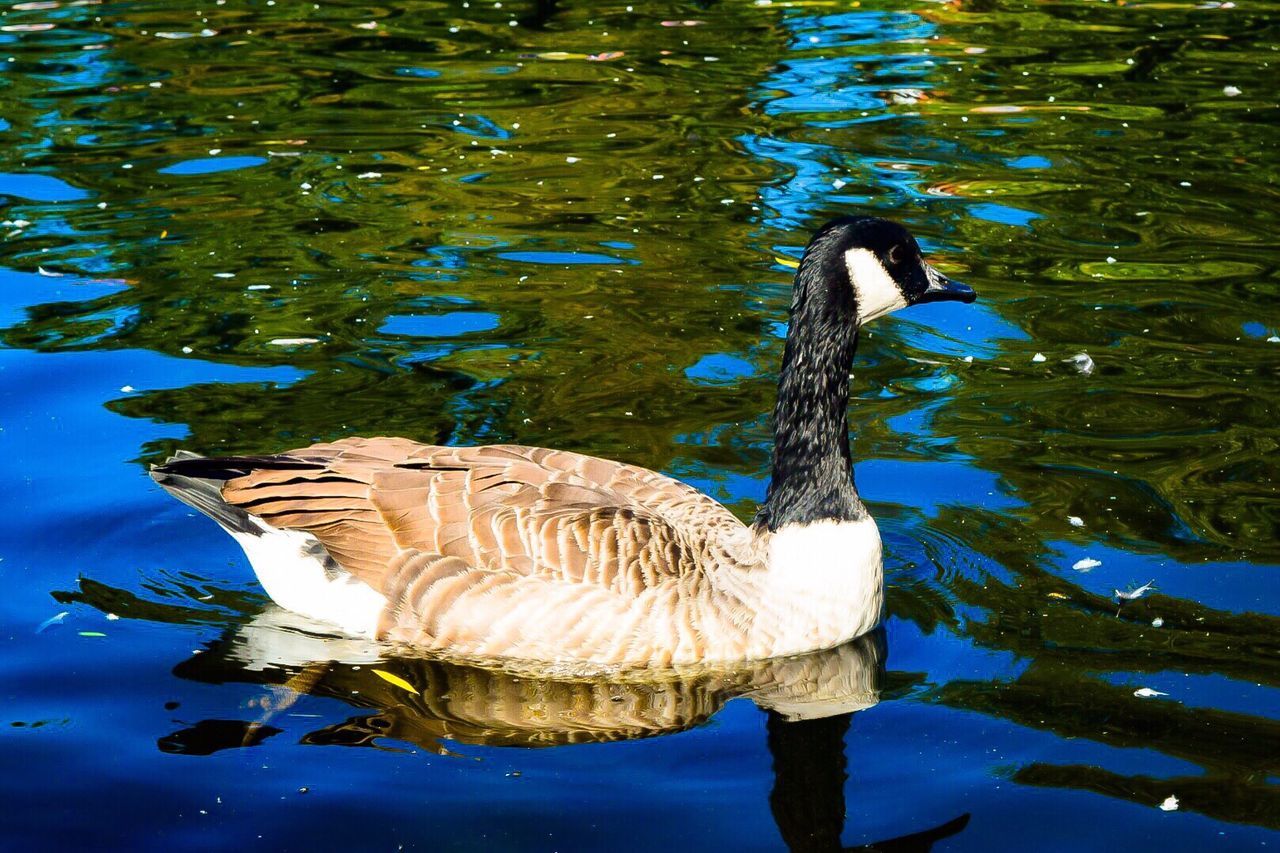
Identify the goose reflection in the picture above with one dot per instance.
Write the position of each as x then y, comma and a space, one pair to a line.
809, 700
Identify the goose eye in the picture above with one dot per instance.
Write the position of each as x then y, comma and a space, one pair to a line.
896, 254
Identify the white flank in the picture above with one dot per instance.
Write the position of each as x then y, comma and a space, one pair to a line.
824, 584
286, 564
876, 291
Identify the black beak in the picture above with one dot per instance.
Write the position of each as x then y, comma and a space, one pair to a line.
943, 289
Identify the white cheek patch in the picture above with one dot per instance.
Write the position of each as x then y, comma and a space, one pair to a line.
876, 291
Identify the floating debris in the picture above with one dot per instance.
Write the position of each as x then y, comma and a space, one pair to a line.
1075, 521
126, 389
1136, 593
1157, 622
1059, 595
1148, 693
51, 621
396, 680
292, 342
1231, 91
1170, 804
367, 175
1038, 357
1085, 565
1081, 362
49, 273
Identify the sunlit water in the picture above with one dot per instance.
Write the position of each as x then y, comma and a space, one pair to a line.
244, 226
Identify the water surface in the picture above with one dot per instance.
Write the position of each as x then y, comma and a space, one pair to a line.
247, 225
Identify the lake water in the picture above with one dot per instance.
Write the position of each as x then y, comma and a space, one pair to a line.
240, 226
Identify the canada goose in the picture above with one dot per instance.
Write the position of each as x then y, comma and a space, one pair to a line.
529, 554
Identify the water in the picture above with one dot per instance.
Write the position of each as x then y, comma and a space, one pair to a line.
246, 226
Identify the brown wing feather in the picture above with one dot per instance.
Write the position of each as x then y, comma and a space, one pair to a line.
501, 508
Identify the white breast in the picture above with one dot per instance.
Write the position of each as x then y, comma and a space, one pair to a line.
824, 585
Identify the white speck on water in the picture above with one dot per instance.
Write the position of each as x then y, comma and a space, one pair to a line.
1170, 804
1157, 622
258, 287
1075, 521
367, 175
1110, 259
1081, 362
1274, 339
1038, 357
1133, 594
126, 389
51, 621
187, 350
573, 159
292, 342
49, 274
111, 617
1147, 693
214, 152
224, 275
968, 359
1085, 565
839, 184
1230, 91
658, 177
1184, 183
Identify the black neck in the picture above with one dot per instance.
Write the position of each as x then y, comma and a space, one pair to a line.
812, 469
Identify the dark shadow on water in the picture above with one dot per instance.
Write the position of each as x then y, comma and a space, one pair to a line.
807, 800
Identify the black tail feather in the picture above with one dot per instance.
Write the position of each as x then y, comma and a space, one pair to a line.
225, 468
197, 482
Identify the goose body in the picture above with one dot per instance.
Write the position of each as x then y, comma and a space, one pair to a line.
530, 554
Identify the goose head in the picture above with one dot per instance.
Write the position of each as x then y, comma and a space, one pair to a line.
876, 267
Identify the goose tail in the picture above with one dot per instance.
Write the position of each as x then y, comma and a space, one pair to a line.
293, 566
197, 482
